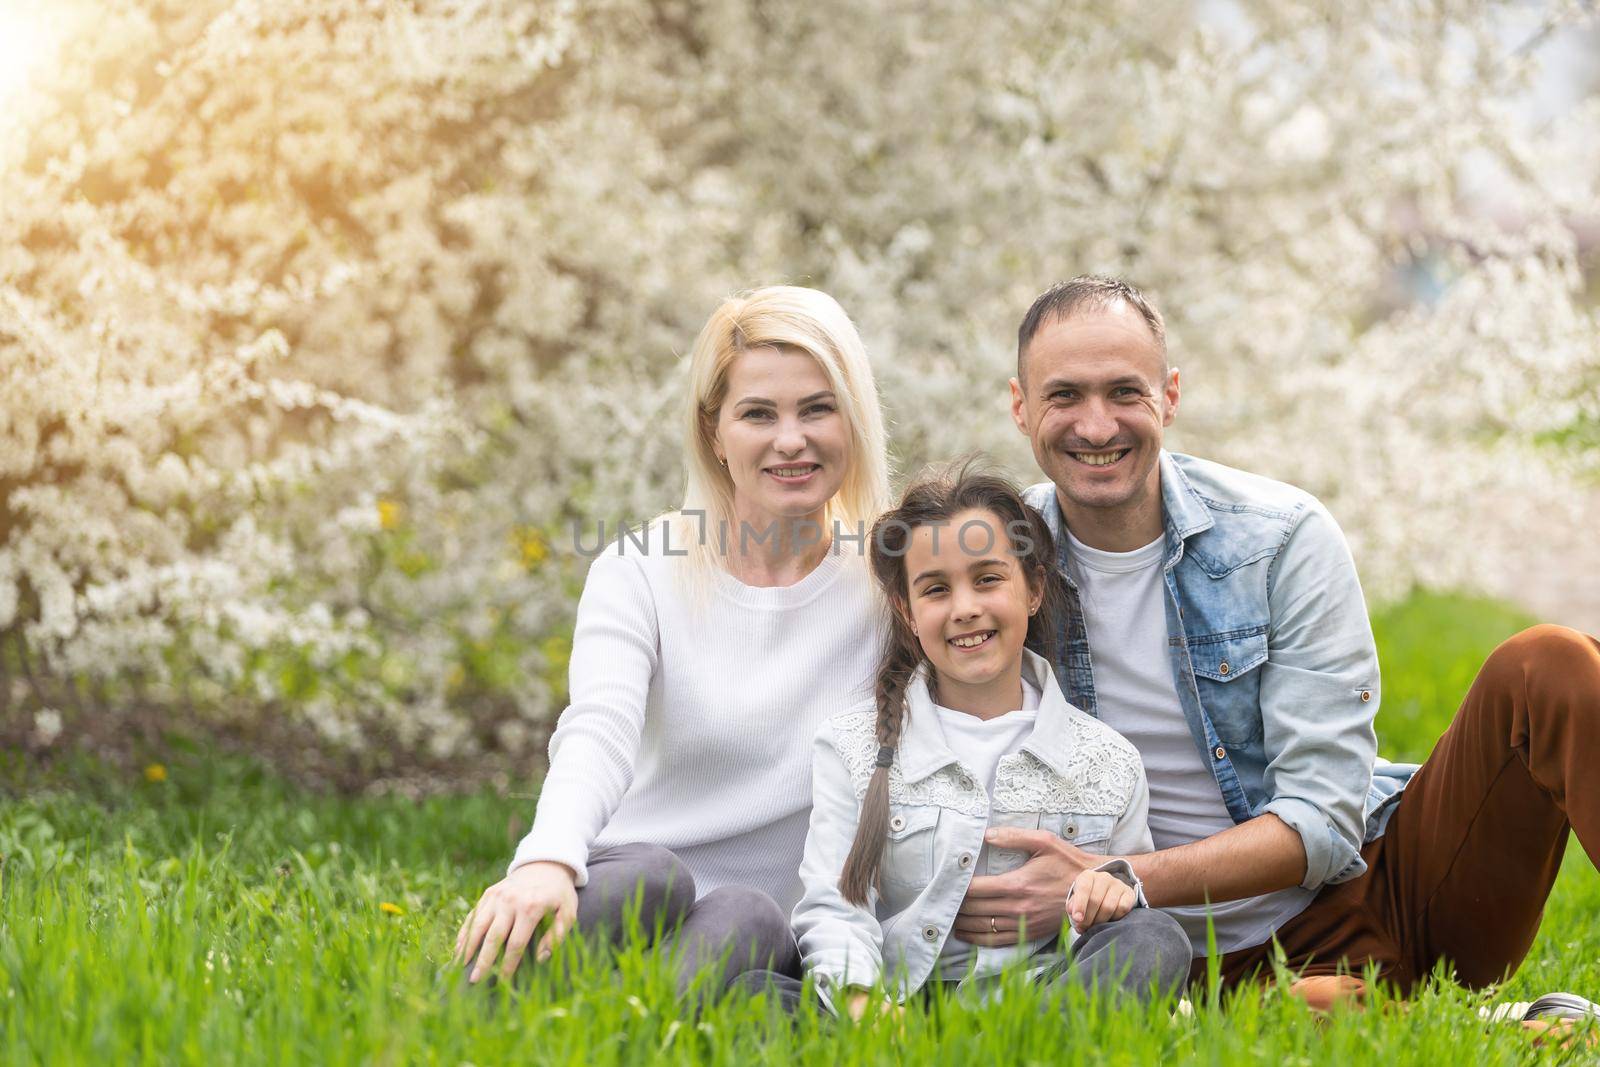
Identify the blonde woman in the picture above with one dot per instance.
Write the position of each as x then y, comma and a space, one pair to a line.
706, 654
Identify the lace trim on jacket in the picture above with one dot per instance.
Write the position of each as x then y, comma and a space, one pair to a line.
1100, 776
855, 737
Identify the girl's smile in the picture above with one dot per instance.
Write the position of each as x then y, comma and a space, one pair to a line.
969, 642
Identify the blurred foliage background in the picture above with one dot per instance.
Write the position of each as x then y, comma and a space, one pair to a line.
325, 325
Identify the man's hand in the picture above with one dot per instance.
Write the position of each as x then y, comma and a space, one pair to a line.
1032, 897
1099, 897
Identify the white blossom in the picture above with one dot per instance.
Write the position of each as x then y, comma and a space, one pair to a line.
46, 726
321, 324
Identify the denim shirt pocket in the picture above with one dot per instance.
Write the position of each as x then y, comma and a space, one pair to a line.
908, 851
1006, 860
1092, 833
1227, 677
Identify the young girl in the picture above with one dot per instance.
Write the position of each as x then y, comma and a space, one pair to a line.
968, 730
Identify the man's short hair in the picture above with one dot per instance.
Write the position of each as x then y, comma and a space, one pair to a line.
1086, 292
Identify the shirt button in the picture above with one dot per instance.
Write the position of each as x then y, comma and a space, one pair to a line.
1222, 668
930, 933
965, 781
965, 861
1366, 695
897, 823
1222, 753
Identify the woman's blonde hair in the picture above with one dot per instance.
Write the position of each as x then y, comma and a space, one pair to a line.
788, 318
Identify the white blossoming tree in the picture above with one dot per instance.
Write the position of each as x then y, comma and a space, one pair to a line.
321, 324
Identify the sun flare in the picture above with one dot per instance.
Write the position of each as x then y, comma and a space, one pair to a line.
26, 43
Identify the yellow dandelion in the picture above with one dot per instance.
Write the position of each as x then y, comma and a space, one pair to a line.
391, 909
388, 513
535, 549
155, 773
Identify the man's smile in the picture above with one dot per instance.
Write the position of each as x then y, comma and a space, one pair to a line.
1100, 459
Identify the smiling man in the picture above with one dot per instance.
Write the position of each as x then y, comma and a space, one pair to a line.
1217, 622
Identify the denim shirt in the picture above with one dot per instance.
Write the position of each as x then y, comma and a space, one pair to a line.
1073, 776
1272, 655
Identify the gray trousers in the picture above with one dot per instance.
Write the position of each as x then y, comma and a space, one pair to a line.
1144, 953
728, 932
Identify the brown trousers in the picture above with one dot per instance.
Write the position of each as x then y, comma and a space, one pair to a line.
1475, 843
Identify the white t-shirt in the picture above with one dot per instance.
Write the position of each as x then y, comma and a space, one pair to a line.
1124, 609
981, 743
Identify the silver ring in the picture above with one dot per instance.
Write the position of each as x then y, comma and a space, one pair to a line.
993, 929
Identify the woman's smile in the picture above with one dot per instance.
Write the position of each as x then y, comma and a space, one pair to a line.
794, 473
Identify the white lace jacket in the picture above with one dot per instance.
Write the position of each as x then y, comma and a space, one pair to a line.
1074, 776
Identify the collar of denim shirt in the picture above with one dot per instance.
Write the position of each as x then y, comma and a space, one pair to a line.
924, 749
1183, 511
1186, 513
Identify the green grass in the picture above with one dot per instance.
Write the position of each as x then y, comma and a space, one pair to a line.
1430, 647
220, 916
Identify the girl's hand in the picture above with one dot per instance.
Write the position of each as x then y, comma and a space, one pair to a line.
855, 1005
534, 897
1098, 897
859, 1001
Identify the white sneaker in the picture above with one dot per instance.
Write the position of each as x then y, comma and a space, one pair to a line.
1563, 1006
1549, 1006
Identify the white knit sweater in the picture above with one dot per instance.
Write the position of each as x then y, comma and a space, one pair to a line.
691, 720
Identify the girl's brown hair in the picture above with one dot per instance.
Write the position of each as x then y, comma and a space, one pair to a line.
936, 498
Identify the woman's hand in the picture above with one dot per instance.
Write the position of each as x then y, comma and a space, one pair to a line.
534, 897
1098, 897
